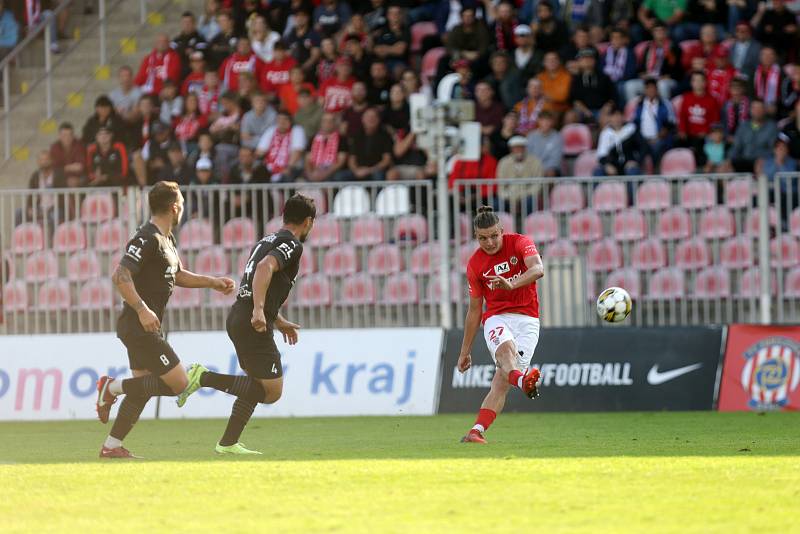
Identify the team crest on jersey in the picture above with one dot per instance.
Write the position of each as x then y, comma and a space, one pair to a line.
513, 260
771, 372
501, 268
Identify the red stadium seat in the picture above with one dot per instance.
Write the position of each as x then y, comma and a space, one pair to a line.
384, 259
674, 223
15, 296
96, 295
678, 162
576, 138
426, 257
111, 236
430, 63
244, 257
648, 255
221, 300
313, 291
238, 232
97, 207
41, 266
69, 237
276, 223
791, 286
736, 253
507, 221
692, 254
326, 233
340, 260
358, 289
400, 288
610, 196
433, 292
585, 226
567, 197
627, 279
677, 103
717, 223
794, 223
602, 47
752, 223
196, 234
27, 238
411, 228
698, 193
640, 50
467, 233
750, 283
367, 231
464, 256
541, 226
585, 164
563, 248
83, 265
212, 261
688, 48
739, 192
784, 251
712, 283
308, 262
113, 261
604, 255
185, 297
653, 195
419, 31
666, 284
629, 225
54, 295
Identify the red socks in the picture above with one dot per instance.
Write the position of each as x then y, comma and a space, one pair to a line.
515, 378
484, 420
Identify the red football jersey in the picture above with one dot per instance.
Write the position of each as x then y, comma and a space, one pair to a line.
508, 262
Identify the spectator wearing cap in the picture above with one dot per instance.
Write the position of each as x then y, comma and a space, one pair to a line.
720, 75
369, 152
188, 41
152, 158
177, 168
161, 64
488, 111
591, 90
276, 73
126, 96
309, 113
504, 79
241, 61
767, 80
776, 26
619, 61
302, 41
699, 110
654, 119
9, 31
550, 33
556, 83
528, 108
262, 38
330, 16
328, 153
661, 61
204, 202
335, 92
736, 109
745, 51
68, 155
171, 103
106, 160
392, 44
281, 148
193, 82
618, 149
352, 122
257, 121
223, 44
546, 144
518, 164
527, 58
753, 139
468, 40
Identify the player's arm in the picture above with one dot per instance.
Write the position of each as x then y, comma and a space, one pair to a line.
222, 284
123, 281
535, 271
262, 278
471, 325
287, 328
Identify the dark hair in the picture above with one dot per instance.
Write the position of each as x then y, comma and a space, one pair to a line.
298, 208
162, 196
486, 218
103, 101
66, 126
650, 81
187, 14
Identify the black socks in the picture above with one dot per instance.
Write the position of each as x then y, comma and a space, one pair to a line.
240, 415
243, 387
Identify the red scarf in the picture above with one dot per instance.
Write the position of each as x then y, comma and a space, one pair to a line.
767, 84
277, 157
655, 56
324, 149
504, 40
529, 114
736, 115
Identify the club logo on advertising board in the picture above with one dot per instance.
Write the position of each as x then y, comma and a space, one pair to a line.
771, 372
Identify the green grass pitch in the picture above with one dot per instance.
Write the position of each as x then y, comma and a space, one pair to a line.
627, 472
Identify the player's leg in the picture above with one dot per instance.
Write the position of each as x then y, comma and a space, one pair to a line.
128, 414
241, 413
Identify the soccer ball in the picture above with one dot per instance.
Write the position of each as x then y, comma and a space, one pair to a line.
614, 305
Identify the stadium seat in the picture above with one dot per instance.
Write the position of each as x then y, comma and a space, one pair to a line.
358, 289
83, 265
698, 193
27, 238
692, 254
196, 234
507, 221
276, 223
340, 260
54, 295
567, 197
351, 201
426, 257
674, 223
185, 297
366, 231
585, 164
308, 261
15, 296
653, 195
41, 266
610, 196
466, 253
784, 251
430, 63
69, 237
111, 236
97, 208
602, 47
629, 225
562, 248
794, 223
433, 293
466, 233
712, 283
319, 196
752, 223
677, 103
393, 200
419, 31
113, 261
541, 226
576, 138
627, 279
7, 262
244, 257
717, 223
736, 253
221, 300
96, 294
585, 226
327, 232
688, 47
666, 284
791, 286
750, 283
678, 162
739, 192
238, 232
212, 261
604, 255
400, 288
640, 50
313, 291
411, 228
649, 255
384, 259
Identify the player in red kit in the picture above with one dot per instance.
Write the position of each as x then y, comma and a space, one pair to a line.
503, 272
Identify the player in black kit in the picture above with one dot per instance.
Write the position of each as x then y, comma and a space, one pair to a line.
145, 278
268, 277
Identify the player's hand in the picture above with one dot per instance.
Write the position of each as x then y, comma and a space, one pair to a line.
223, 285
464, 362
498, 282
288, 329
149, 320
258, 321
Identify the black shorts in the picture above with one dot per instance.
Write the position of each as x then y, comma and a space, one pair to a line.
150, 352
258, 355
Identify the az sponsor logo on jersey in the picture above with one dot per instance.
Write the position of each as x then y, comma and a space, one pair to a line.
771, 372
501, 268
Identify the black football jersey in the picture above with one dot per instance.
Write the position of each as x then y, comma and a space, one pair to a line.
286, 249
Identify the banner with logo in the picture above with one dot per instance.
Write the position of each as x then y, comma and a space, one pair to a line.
598, 369
762, 368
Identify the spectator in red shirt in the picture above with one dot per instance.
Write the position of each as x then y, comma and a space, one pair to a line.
69, 156
208, 97
699, 110
706, 48
106, 161
161, 64
190, 123
335, 93
242, 60
193, 83
288, 93
276, 72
